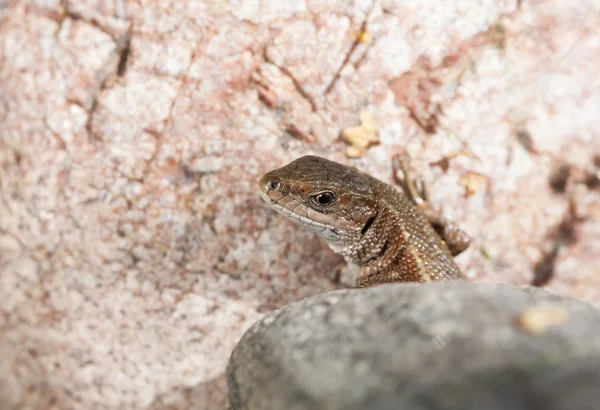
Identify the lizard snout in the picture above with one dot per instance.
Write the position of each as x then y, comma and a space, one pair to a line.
270, 183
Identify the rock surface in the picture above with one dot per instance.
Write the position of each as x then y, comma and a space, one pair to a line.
411, 346
134, 248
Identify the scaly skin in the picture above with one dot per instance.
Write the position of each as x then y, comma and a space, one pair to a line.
393, 235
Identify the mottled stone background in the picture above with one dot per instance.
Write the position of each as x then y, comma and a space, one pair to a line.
134, 249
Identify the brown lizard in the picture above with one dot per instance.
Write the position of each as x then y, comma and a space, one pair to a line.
394, 236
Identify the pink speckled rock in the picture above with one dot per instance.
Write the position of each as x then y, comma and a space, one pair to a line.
134, 249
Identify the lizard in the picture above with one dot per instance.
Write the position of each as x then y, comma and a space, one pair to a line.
392, 235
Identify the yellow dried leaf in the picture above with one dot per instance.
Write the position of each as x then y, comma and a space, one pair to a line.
363, 36
472, 182
361, 137
353, 152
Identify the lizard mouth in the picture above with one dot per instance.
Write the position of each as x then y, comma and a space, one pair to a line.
329, 233
265, 196
271, 192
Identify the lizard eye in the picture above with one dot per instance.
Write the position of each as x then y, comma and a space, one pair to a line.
324, 199
274, 185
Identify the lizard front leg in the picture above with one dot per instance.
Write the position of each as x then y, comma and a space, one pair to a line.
417, 192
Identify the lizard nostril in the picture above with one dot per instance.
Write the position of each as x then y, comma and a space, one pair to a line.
273, 185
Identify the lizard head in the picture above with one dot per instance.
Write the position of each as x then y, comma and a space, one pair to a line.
333, 200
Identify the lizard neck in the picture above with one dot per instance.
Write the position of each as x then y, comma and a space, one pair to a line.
379, 237
379, 245
393, 249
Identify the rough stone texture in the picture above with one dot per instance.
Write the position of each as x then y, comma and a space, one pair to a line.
134, 249
414, 346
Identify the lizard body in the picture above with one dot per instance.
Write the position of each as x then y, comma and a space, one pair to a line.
394, 236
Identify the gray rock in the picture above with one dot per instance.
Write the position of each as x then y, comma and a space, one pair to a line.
448, 345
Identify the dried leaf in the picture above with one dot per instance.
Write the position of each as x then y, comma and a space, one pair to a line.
361, 137
363, 36
353, 152
472, 182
